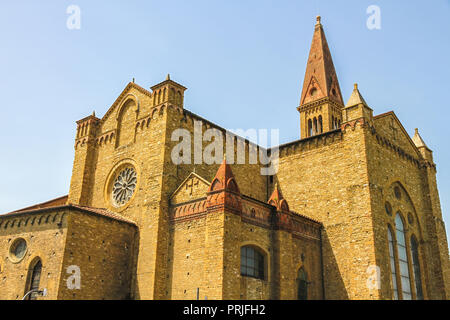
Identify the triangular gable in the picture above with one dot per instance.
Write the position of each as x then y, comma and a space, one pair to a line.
133, 91
389, 126
193, 187
313, 83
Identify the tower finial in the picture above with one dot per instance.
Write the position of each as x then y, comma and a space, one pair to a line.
318, 18
168, 76
356, 86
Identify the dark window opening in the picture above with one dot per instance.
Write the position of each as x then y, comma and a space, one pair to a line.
35, 279
252, 263
302, 289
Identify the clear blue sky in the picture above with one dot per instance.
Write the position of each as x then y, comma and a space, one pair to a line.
243, 62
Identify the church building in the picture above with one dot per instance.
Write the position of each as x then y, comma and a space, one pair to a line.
353, 211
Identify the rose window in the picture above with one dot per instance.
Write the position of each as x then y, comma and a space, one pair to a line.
124, 186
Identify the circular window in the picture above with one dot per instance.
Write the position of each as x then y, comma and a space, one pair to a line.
18, 250
124, 186
313, 92
410, 218
398, 193
388, 208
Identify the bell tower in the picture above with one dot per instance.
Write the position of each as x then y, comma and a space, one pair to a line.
321, 101
169, 92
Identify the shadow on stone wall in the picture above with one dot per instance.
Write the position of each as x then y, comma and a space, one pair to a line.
333, 282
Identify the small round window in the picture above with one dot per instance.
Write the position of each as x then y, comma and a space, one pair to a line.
124, 186
18, 250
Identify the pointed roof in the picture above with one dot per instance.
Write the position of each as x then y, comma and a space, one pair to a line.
356, 98
224, 179
418, 141
276, 195
277, 200
168, 80
320, 80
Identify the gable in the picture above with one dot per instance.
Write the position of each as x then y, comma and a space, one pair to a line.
193, 187
132, 92
313, 86
390, 127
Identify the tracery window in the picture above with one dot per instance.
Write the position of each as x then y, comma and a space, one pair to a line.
393, 264
416, 267
403, 258
124, 186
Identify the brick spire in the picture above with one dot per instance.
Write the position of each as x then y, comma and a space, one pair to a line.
224, 179
320, 78
277, 200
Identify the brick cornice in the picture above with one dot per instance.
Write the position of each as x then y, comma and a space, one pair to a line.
316, 103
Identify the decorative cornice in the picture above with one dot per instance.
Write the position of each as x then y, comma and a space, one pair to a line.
52, 214
389, 145
319, 102
310, 143
250, 211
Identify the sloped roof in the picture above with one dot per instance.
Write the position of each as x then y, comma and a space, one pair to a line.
47, 204
320, 73
97, 211
356, 98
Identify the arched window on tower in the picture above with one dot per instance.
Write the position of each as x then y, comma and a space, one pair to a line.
34, 278
302, 284
392, 263
320, 124
252, 262
315, 126
310, 132
403, 258
416, 267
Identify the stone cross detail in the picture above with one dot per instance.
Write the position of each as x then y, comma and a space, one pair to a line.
394, 129
191, 185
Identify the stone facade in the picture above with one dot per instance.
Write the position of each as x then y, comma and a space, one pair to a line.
179, 233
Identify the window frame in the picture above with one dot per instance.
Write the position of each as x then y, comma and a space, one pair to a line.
302, 271
416, 268
393, 259
34, 278
256, 262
